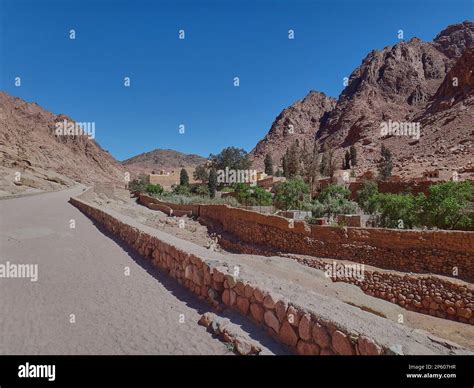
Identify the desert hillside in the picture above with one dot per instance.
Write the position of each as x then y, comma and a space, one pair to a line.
33, 157
162, 160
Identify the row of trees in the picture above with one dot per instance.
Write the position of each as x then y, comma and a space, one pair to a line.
310, 165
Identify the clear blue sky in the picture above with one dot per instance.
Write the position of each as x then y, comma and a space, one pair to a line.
191, 81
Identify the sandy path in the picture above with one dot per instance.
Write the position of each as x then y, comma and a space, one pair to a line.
82, 272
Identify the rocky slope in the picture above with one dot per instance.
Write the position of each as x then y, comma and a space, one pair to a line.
33, 158
162, 159
299, 121
406, 83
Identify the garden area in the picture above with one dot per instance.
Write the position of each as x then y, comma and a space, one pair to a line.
446, 205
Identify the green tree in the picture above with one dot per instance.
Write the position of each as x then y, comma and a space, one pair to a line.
231, 157
212, 183
268, 164
353, 154
284, 165
367, 197
200, 173
328, 164
333, 200
183, 178
397, 210
446, 205
292, 161
385, 163
291, 194
261, 196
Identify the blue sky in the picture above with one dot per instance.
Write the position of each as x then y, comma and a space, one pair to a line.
190, 81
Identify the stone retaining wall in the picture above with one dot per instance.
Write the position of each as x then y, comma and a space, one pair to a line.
302, 329
449, 253
432, 295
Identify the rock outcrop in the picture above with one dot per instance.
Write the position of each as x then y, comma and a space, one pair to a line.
410, 82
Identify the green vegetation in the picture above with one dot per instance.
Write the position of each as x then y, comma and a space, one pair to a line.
301, 161
332, 201
252, 195
446, 204
231, 157
154, 189
212, 183
200, 174
444, 207
183, 178
268, 164
292, 194
385, 163
139, 185
197, 199
181, 190
290, 161
367, 197
397, 210
202, 190
353, 154
346, 162
328, 164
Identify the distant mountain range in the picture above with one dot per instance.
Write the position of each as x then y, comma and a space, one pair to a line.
429, 83
162, 159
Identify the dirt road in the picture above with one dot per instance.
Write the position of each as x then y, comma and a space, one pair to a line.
92, 295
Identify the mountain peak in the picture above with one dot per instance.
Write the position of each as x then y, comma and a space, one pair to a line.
453, 40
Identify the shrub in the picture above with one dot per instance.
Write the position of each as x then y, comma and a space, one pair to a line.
137, 185
252, 195
202, 190
196, 199
181, 190
154, 189
291, 194
262, 197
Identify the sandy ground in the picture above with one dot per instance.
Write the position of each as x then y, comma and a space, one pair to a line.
82, 271
290, 270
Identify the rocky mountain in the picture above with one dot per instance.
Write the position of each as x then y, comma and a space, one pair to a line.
299, 121
34, 156
408, 84
162, 159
